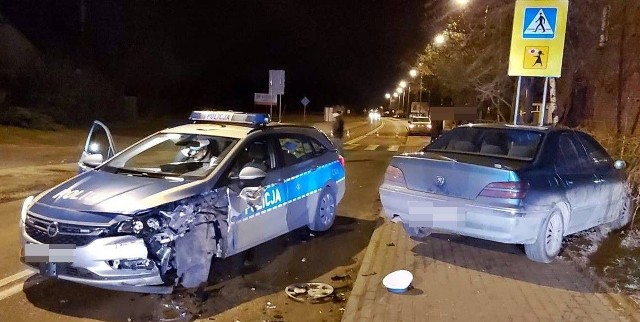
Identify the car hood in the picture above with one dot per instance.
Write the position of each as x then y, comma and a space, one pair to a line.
103, 192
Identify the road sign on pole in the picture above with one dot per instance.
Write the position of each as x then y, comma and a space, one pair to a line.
537, 40
265, 99
305, 101
276, 82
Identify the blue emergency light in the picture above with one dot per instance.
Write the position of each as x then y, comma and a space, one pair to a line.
254, 119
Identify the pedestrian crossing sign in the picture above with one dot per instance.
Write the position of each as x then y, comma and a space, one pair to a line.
539, 23
537, 39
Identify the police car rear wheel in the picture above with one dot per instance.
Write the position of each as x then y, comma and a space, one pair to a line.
325, 212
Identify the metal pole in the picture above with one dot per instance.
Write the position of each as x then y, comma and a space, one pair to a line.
279, 109
517, 107
544, 100
420, 95
304, 114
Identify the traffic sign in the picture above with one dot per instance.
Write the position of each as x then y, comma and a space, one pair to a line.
265, 99
276, 82
537, 41
305, 101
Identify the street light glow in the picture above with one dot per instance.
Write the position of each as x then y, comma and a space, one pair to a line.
462, 3
439, 39
413, 73
403, 84
387, 96
399, 90
395, 94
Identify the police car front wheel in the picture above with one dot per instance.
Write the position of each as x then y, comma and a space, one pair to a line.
325, 212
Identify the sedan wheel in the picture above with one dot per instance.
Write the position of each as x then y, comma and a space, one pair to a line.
625, 214
549, 241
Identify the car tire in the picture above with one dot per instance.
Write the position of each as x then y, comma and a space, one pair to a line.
549, 242
624, 218
416, 232
325, 211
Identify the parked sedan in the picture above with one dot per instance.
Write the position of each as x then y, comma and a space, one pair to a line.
508, 183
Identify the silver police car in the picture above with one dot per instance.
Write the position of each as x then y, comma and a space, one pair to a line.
156, 214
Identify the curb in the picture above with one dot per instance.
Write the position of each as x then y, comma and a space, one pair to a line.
359, 286
630, 308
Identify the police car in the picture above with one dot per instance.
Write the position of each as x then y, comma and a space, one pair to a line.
156, 214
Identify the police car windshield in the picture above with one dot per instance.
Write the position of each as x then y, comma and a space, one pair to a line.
172, 155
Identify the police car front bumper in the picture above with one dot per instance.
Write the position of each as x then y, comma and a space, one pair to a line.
96, 263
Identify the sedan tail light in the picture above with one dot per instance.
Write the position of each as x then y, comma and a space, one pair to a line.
506, 190
394, 176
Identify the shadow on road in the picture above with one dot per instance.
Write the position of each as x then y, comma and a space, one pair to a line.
300, 256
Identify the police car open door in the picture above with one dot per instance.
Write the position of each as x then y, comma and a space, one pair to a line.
98, 148
257, 212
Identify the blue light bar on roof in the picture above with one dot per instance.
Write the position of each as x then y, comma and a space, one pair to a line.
230, 117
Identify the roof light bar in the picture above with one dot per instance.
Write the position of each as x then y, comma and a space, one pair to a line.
254, 119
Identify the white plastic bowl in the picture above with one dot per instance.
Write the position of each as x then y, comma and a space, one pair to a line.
398, 281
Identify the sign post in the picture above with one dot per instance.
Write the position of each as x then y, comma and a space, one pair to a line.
537, 42
276, 87
305, 101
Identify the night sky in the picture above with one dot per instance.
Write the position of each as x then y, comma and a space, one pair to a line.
219, 52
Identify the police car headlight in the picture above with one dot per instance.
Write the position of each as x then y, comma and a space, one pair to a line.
25, 206
130, 227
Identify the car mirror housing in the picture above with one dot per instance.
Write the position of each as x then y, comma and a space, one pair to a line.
92, 160
619, 164
251, 173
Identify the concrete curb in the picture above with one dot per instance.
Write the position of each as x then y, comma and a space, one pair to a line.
631, 309
360, 285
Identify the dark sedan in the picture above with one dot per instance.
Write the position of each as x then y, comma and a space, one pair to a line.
508, 183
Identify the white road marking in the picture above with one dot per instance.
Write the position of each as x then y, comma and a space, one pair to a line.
15, 277
371, 147
22, 286
365, 135
393, 148
351, 146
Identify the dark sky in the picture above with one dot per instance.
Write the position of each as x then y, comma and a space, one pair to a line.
219, 52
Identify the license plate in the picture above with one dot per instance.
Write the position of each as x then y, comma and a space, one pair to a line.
437, 213
54, 253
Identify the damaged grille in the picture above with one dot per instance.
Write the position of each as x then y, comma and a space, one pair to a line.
79, 235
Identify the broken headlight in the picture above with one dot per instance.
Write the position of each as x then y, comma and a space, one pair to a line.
130, 227
147, 222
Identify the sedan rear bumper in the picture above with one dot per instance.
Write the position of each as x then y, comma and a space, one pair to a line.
459, 216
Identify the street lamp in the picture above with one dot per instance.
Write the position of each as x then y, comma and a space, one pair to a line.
402, 84
462, 3
388, 96
413, 73
439, 39
395, 95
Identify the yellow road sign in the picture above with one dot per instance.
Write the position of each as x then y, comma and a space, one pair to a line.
537, 41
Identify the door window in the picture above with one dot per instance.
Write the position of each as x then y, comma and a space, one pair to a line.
296, 149
570, 159
596, 154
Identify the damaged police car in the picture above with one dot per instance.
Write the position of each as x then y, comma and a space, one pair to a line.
155, 215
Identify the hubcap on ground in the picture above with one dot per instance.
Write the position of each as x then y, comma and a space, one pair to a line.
553, 236
327, 208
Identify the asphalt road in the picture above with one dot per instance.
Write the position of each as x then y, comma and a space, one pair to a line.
236, 293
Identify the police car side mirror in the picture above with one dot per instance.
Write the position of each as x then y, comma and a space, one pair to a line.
92, 160
251, 173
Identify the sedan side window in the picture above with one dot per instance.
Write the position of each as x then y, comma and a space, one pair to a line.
569, 160
597, 155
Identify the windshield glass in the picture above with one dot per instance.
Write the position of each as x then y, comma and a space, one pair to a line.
172, 155
505, 143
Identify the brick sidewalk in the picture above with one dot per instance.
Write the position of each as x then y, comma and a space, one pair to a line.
465, 279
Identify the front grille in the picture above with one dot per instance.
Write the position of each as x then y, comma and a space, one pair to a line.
78, 235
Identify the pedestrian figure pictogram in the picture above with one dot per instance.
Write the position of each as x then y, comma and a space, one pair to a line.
539, 23
536, 57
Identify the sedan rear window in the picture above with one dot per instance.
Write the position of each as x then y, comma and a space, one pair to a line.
507, 143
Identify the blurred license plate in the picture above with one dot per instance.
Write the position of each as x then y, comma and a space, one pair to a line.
53, 253
437, 213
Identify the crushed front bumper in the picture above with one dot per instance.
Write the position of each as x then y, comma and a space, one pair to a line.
462, 217
93, 264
